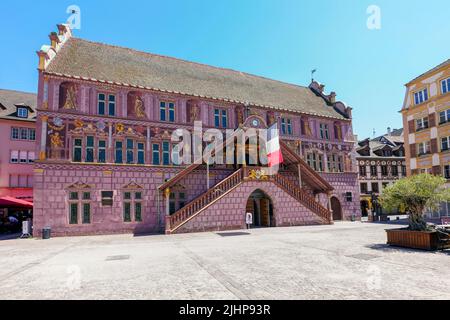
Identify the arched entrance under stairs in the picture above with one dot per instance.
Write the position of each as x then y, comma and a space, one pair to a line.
260, 204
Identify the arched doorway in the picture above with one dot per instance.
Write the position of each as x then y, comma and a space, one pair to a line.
261, 206
337, 209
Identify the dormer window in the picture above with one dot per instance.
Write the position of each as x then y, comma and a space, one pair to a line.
22, 112
421, 96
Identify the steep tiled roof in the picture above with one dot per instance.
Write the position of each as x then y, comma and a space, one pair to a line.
98, 61
9, 100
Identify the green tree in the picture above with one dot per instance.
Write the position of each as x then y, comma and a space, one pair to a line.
414, 195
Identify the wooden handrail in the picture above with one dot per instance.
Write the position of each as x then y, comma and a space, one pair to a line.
196, 205
304, 198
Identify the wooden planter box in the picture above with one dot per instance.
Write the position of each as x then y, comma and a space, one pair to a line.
424, 240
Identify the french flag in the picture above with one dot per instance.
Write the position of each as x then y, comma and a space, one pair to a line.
274, 155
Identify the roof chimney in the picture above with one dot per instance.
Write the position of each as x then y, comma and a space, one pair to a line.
389, 131
332, 97
54, 40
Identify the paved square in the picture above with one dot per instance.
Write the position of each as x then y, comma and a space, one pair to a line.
344, 261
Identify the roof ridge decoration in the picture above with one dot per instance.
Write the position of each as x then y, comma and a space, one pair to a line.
57, 41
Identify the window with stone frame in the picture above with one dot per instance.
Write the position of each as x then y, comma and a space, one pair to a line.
315, 161
118, 152
79, 204
167, 111
384, 170
373, 171
286, 126
90, 148
106, 104
155, 154
77, 150
141, 153
324, 131
101, 156
130, 151
133, 203
335, 163
220, 118
166, 153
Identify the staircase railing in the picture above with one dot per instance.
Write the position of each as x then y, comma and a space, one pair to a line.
303, 197
178, 218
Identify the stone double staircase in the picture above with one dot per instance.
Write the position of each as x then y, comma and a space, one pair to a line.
201, 203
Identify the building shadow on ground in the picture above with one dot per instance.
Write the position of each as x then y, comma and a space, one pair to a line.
381, 247
9, 236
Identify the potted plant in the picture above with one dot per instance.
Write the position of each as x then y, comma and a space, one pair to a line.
414, 195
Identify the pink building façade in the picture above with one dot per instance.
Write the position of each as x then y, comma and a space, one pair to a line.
104, 127
17, 139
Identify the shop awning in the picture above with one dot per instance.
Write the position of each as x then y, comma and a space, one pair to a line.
10, 202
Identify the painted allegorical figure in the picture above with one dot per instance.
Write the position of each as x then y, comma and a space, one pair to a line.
194, 112
71, 99
139, 107
56, 144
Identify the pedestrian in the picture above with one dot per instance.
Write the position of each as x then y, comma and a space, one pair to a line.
249, 219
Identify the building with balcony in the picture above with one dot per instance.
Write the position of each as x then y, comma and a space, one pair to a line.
106, 116
381, 161
426, 120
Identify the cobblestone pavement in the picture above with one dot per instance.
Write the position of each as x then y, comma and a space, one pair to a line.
344, 261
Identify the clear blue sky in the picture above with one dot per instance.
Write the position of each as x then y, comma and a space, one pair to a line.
283, 40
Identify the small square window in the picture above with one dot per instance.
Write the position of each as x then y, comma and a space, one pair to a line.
107, 198
73, 196
86, 196
138, 196
127, 196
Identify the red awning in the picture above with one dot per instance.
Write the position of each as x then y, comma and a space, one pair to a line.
10, 202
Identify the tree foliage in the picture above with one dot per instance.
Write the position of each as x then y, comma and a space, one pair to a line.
415, 194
